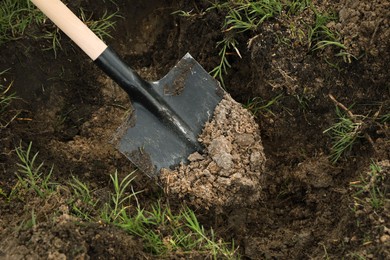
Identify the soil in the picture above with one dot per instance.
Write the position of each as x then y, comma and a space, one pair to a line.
265, 181
229, 171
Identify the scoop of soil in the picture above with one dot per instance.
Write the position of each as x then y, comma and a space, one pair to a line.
229, 171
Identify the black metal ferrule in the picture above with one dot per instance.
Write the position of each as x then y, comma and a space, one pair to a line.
110, 63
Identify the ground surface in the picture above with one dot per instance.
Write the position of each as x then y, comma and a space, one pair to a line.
306, 206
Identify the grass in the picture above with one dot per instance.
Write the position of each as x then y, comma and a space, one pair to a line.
321, 36
102, 26
295, 7
259, 106
249, 15
82, 201
5, 97
164, 233
241, 16
344, 134
370, 200
119, 199
242, 19
31, 176
222, 68
15, 17
18, 15
371, 188
351, 127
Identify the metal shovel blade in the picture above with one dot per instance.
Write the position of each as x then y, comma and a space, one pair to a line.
152, 142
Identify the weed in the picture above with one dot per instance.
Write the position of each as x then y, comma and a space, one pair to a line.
82, 202
344, 134
31, 176
162, 231
304, 100
117, 207
33, 220
241, 16
385, 118
201, 236
297, 35
102, 26
295, 7
190, 13
318, 32
54, 36
5, 100
5, 97
29, 223
3, 193
258, 106
15, 17
371, 188
321, 36
248, 15
224, 64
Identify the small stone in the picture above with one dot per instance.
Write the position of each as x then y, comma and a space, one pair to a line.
56, 255
224, 181
256, 160
219, 145
384, 238
195, 157
206, 173
213, 167
224, 173
244, 140
224, 160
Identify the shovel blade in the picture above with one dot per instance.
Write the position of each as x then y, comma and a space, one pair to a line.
149, 142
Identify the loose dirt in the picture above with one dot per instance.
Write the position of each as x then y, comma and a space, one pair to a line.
229, 172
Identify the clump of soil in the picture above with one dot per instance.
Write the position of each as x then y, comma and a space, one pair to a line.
230, 170
364, 25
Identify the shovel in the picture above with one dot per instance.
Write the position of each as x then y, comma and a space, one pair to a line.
167, 115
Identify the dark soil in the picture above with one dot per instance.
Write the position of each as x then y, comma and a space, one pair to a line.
308, 207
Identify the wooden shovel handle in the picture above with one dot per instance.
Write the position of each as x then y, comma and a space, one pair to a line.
72, 26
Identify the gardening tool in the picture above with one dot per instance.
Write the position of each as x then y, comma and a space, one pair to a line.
167, 115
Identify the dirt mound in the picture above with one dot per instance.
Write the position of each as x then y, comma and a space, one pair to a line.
229, 171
